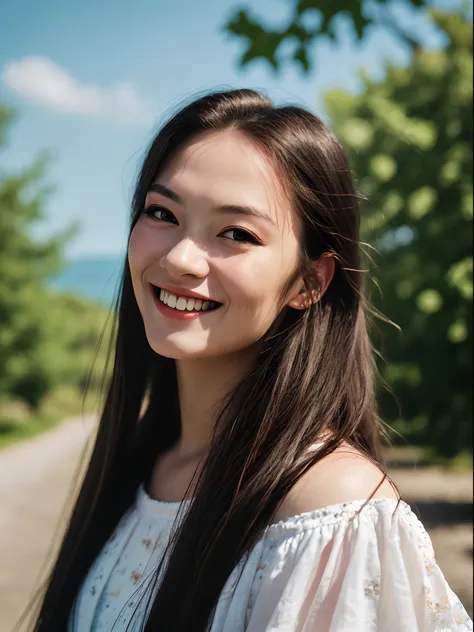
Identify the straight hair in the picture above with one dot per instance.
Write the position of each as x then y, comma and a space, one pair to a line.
314, 378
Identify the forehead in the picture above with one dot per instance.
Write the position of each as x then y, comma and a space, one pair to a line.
226, 168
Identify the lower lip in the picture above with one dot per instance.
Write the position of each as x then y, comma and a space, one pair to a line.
177, 314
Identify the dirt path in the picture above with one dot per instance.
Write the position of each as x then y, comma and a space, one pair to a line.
36, 481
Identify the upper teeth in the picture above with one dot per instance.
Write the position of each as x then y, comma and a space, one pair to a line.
183, 303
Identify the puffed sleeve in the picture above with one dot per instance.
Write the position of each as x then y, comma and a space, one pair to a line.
337, 570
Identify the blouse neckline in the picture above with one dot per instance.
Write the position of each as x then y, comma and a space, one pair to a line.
331, 514
162, 508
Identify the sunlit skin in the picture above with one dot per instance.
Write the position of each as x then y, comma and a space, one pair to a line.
192, 245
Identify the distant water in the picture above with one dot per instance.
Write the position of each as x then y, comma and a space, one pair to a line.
95, 278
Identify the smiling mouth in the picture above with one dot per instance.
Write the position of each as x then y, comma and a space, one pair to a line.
184, 304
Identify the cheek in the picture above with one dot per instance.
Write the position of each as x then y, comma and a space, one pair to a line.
261, 281
142, 253
134, 249
143, 249
255, 283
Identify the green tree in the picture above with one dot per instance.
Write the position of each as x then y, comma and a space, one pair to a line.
46, 339
409, 139
263, 42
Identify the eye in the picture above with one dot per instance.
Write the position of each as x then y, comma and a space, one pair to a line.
243, 236
153, 210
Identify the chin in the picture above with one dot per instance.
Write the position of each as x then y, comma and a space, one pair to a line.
177, 352
166, 348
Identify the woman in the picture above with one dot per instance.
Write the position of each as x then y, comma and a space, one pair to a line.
235, 482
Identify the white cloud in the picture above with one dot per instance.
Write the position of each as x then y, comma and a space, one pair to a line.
40, 80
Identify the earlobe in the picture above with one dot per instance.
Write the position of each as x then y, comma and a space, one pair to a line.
324, 269
303, 300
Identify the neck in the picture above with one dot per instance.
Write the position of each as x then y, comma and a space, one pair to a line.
202, 386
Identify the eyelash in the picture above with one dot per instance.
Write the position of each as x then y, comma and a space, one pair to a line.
250, 239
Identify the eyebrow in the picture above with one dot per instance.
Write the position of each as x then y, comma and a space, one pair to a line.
234, 209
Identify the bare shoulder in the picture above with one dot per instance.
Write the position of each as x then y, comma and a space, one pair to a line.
342, 476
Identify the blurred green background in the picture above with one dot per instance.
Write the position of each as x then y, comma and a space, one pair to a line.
409, 138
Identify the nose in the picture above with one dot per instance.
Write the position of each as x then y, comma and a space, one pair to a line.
185, 258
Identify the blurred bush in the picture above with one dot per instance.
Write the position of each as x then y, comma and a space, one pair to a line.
409, 139
48, 340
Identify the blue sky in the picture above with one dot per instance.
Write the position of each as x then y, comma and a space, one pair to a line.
91, 82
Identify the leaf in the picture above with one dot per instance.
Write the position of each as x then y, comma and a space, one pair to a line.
429, 301
302, 57
360, 23
457, 331
421, 201
459, 276
383, 167
244, 27
304, 5
357, 133
261, 44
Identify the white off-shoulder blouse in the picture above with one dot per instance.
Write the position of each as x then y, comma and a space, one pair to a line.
327, 570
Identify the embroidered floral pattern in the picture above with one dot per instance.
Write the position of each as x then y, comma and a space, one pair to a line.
287, 554
444, 614
372, 588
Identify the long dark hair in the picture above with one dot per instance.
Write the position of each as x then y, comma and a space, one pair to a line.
314, 376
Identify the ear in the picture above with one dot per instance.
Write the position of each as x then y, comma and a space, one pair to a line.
324, 268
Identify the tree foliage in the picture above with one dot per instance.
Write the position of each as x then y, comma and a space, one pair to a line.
409, 140
45, 339
309, 20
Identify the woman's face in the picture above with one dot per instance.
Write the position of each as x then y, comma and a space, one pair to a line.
191, 237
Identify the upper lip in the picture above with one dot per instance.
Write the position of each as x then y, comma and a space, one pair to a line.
181, 291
